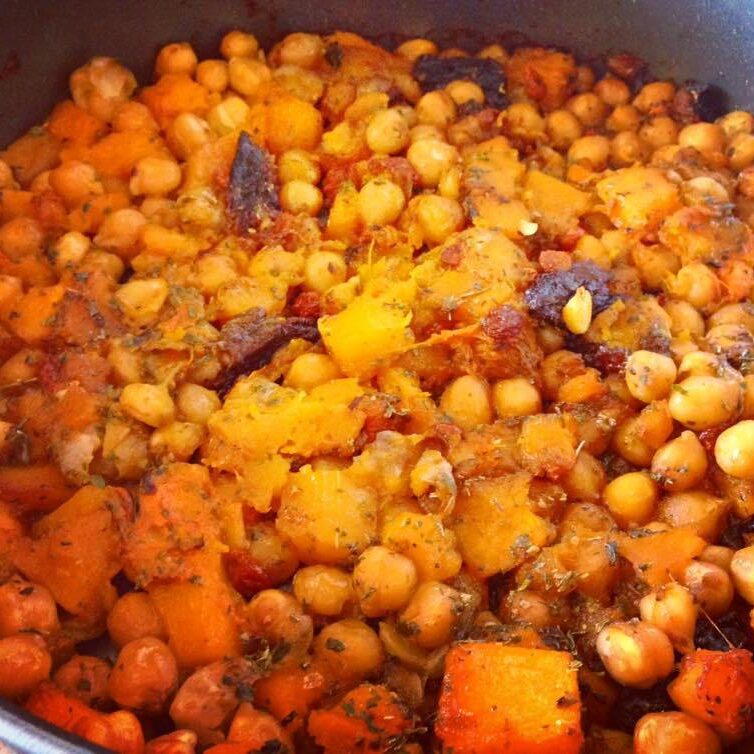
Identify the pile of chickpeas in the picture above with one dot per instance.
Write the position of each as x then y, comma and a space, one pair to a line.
369, 169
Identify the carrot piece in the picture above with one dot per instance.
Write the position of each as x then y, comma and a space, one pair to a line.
717, 688
38, 488
368, 719
119, 731
499, 698
68, 122
173, 94
116, 154
660, 556
254, 728
289, 694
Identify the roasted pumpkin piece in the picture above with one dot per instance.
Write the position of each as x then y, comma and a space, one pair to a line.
717, 688
76, 550
495, 526
660, 556
502, 698
371, 718
638, 197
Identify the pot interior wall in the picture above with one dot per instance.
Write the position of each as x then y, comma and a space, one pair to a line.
41, 41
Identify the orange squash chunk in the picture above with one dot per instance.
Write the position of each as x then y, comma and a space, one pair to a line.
498, 698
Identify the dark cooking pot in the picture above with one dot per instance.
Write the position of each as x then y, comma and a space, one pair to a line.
41, 41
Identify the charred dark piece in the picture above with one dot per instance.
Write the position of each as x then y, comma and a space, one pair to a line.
695, 101
252, 191
550, 292
433, 72
250, 341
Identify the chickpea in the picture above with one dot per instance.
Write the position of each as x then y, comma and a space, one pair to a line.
228, 115
626, 149
462, 92
120, 231
213, 75
674, 733
711, 587
24, 663
654, 98
278, 617
697, 284
176, 441
436, 109
649, 375
26, 607
673, 610
196, 403
247, 75
431, 158
740, 151
631, 498
563, 128
238, 44
214, 271
132, 617
384, 581
75, 182
155, 176
350, 650
701, 402
70, 249
150, 404
495, 52
381, 202
467, 402
699, 364
681, 463
742, 572
301, 198
585, 479
612, 91
438, 217
144, 676
659, 132
706, 138
387, 132
431, 615
323, 590
310, 370
623, 118
300, 49
591, 151
588, 108
101, 86
415, 48
323, 270
422, 131
178, 57
516, 396
527, 606
684, 319
717, 554
84, 678
187, 133
697, 510
523, 120
635, 653
734, 450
